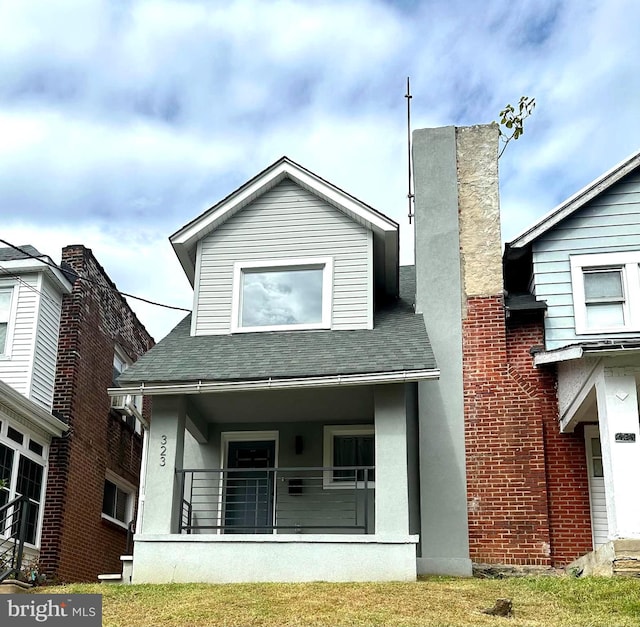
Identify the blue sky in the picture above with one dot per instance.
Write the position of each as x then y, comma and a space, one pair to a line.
121, 120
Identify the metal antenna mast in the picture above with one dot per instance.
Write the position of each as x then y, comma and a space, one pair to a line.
408, 96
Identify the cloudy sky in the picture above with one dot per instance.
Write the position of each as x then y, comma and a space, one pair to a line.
121, 120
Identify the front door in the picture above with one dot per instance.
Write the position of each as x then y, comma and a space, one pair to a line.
248, 502
599, 523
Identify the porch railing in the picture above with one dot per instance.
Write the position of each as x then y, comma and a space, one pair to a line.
14, 517
271, 500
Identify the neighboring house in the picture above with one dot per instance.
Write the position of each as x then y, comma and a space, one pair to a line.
31, 294
582, 261
66, 335
302, 428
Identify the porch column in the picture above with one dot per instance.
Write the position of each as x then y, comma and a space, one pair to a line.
620, 441
392, 497
162, 499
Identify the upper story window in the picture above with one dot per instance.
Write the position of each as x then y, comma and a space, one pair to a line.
606, 292
282, 295
6, 297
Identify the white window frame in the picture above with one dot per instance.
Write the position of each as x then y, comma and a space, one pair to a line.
130, 491
330, 431
274, 265
22, 450
629, 265
11, 287
123, 358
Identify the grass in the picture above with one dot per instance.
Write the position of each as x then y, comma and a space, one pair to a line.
442, 602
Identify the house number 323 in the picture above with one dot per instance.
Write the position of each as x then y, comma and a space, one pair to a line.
163, 450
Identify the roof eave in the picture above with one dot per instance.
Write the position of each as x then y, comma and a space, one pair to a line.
207, 387
185, 240
576, 201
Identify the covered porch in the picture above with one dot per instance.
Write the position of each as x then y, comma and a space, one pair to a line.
280, 485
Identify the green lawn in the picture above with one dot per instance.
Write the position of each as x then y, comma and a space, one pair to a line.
537, 601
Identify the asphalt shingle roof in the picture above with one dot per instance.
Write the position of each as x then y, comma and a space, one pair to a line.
11, 254
398, 342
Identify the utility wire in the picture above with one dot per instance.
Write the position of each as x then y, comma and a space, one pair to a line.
88, 280
7, 272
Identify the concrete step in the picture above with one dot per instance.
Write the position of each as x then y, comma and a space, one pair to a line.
110, 578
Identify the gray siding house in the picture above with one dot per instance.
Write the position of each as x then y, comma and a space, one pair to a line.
582, 261
305, 426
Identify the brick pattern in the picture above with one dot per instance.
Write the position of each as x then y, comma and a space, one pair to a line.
77, 543
526, 482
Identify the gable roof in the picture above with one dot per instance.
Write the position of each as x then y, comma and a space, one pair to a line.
575, 202
398, 343
385, 230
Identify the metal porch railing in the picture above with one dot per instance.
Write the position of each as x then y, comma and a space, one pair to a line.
270, 500
14, 517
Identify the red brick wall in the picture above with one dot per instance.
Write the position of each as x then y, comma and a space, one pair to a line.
77, 543
526, 483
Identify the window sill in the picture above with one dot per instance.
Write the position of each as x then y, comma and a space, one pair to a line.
114, 521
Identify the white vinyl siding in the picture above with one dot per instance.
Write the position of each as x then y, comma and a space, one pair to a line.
609, 223
30, 367
286, 222
46, 346
15, 370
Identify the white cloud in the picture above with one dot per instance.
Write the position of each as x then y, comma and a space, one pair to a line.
128, 118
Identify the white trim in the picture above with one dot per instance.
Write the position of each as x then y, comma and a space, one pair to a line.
370, 280
273, 265
329, 432
299, 538
203, 387
14, 293
628, 263
130, 491
196, 288
25, 266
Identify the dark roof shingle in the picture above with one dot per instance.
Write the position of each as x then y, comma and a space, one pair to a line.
398, 342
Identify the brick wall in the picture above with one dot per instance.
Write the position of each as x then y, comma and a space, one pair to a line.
77, 543
526, 482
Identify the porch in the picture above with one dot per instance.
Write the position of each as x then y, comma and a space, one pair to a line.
232, 500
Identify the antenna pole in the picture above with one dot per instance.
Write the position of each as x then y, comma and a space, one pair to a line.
408, 96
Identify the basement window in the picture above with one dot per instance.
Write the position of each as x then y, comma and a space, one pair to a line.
282, 295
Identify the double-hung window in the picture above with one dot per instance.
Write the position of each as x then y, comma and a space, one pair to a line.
284, 294
606, 292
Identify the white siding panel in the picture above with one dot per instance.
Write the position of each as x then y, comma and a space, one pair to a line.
46, 350
610, 223
16, 370
599, 521
286, 222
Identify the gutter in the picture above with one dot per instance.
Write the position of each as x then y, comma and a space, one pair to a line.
201, 387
